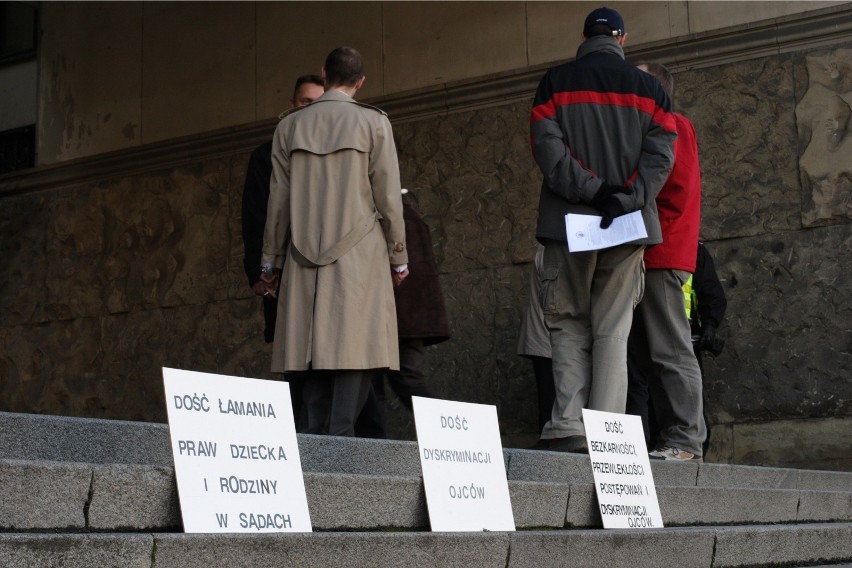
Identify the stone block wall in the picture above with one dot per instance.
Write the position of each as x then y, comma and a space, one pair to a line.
105, 282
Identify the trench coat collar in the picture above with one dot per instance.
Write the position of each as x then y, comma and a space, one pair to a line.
333, 95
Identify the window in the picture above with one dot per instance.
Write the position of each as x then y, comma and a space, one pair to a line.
18, 30
17, 149
18, 49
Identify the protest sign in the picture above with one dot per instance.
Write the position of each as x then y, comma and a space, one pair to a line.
236, 456
463, 471
621, 468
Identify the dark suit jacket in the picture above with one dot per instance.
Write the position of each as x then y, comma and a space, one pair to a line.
255, 200
420, 310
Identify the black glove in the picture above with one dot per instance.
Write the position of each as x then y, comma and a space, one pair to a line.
607, 203
708, 337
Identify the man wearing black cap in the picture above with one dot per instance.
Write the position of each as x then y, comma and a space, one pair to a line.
603, 135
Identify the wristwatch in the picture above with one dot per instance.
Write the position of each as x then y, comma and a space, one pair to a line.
401, 268
266, 269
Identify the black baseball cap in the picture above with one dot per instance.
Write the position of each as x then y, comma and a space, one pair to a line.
607, 17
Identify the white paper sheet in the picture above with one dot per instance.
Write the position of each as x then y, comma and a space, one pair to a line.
585, 233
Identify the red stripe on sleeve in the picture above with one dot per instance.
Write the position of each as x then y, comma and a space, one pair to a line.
643, 104
540, 112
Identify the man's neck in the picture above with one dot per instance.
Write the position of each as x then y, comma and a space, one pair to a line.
344, 89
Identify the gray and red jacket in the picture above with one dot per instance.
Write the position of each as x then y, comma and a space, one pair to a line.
595, 120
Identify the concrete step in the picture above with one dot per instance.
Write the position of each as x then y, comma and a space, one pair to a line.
69, 496
680, 547
100, 493
68, 439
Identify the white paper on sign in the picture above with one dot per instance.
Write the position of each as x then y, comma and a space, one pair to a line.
462, 461
585, 233
236, 456
624, 483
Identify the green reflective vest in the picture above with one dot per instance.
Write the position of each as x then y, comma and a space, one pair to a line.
689, 297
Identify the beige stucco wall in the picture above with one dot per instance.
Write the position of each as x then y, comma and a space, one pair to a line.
116, 75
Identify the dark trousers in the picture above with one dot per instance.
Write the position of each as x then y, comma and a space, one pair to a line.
334, 399
300, 412
409, 381
543, 370
640, 403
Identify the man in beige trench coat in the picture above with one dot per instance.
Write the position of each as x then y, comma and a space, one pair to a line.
335, 190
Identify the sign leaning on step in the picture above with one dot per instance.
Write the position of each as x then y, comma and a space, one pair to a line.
624, 484
462, 461
236, 456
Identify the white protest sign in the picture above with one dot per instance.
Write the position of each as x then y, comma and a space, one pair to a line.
236, 456
462, 460
622, 471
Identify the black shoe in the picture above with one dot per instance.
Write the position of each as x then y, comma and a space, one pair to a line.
569, 444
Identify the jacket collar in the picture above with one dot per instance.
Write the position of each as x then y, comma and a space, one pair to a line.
337, 96
334, 95
600, 44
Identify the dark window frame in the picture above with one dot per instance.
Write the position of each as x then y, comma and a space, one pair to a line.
17, 149
11, 54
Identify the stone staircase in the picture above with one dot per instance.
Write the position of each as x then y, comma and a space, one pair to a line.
97, 493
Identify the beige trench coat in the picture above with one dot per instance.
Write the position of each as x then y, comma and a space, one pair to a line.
335, 198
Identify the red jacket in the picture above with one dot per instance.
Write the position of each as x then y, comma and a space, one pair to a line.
679, 206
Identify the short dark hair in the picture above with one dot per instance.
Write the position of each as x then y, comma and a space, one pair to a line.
343, 66
662, 74
310, 78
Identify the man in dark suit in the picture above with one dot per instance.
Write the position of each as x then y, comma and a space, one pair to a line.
255, 199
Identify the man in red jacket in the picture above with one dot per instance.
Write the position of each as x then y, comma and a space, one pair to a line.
660, 340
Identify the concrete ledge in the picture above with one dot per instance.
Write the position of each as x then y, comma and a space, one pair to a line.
332, 454
367, 550
583, 507
824, 506
85, 497
720, 475
613, 549
709, 506
88, 440
94, 441
76, 551
554, 467
788, 544
134, 498
824, 480
339, 501
43, 495
674, 474
538, 504
829, 543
